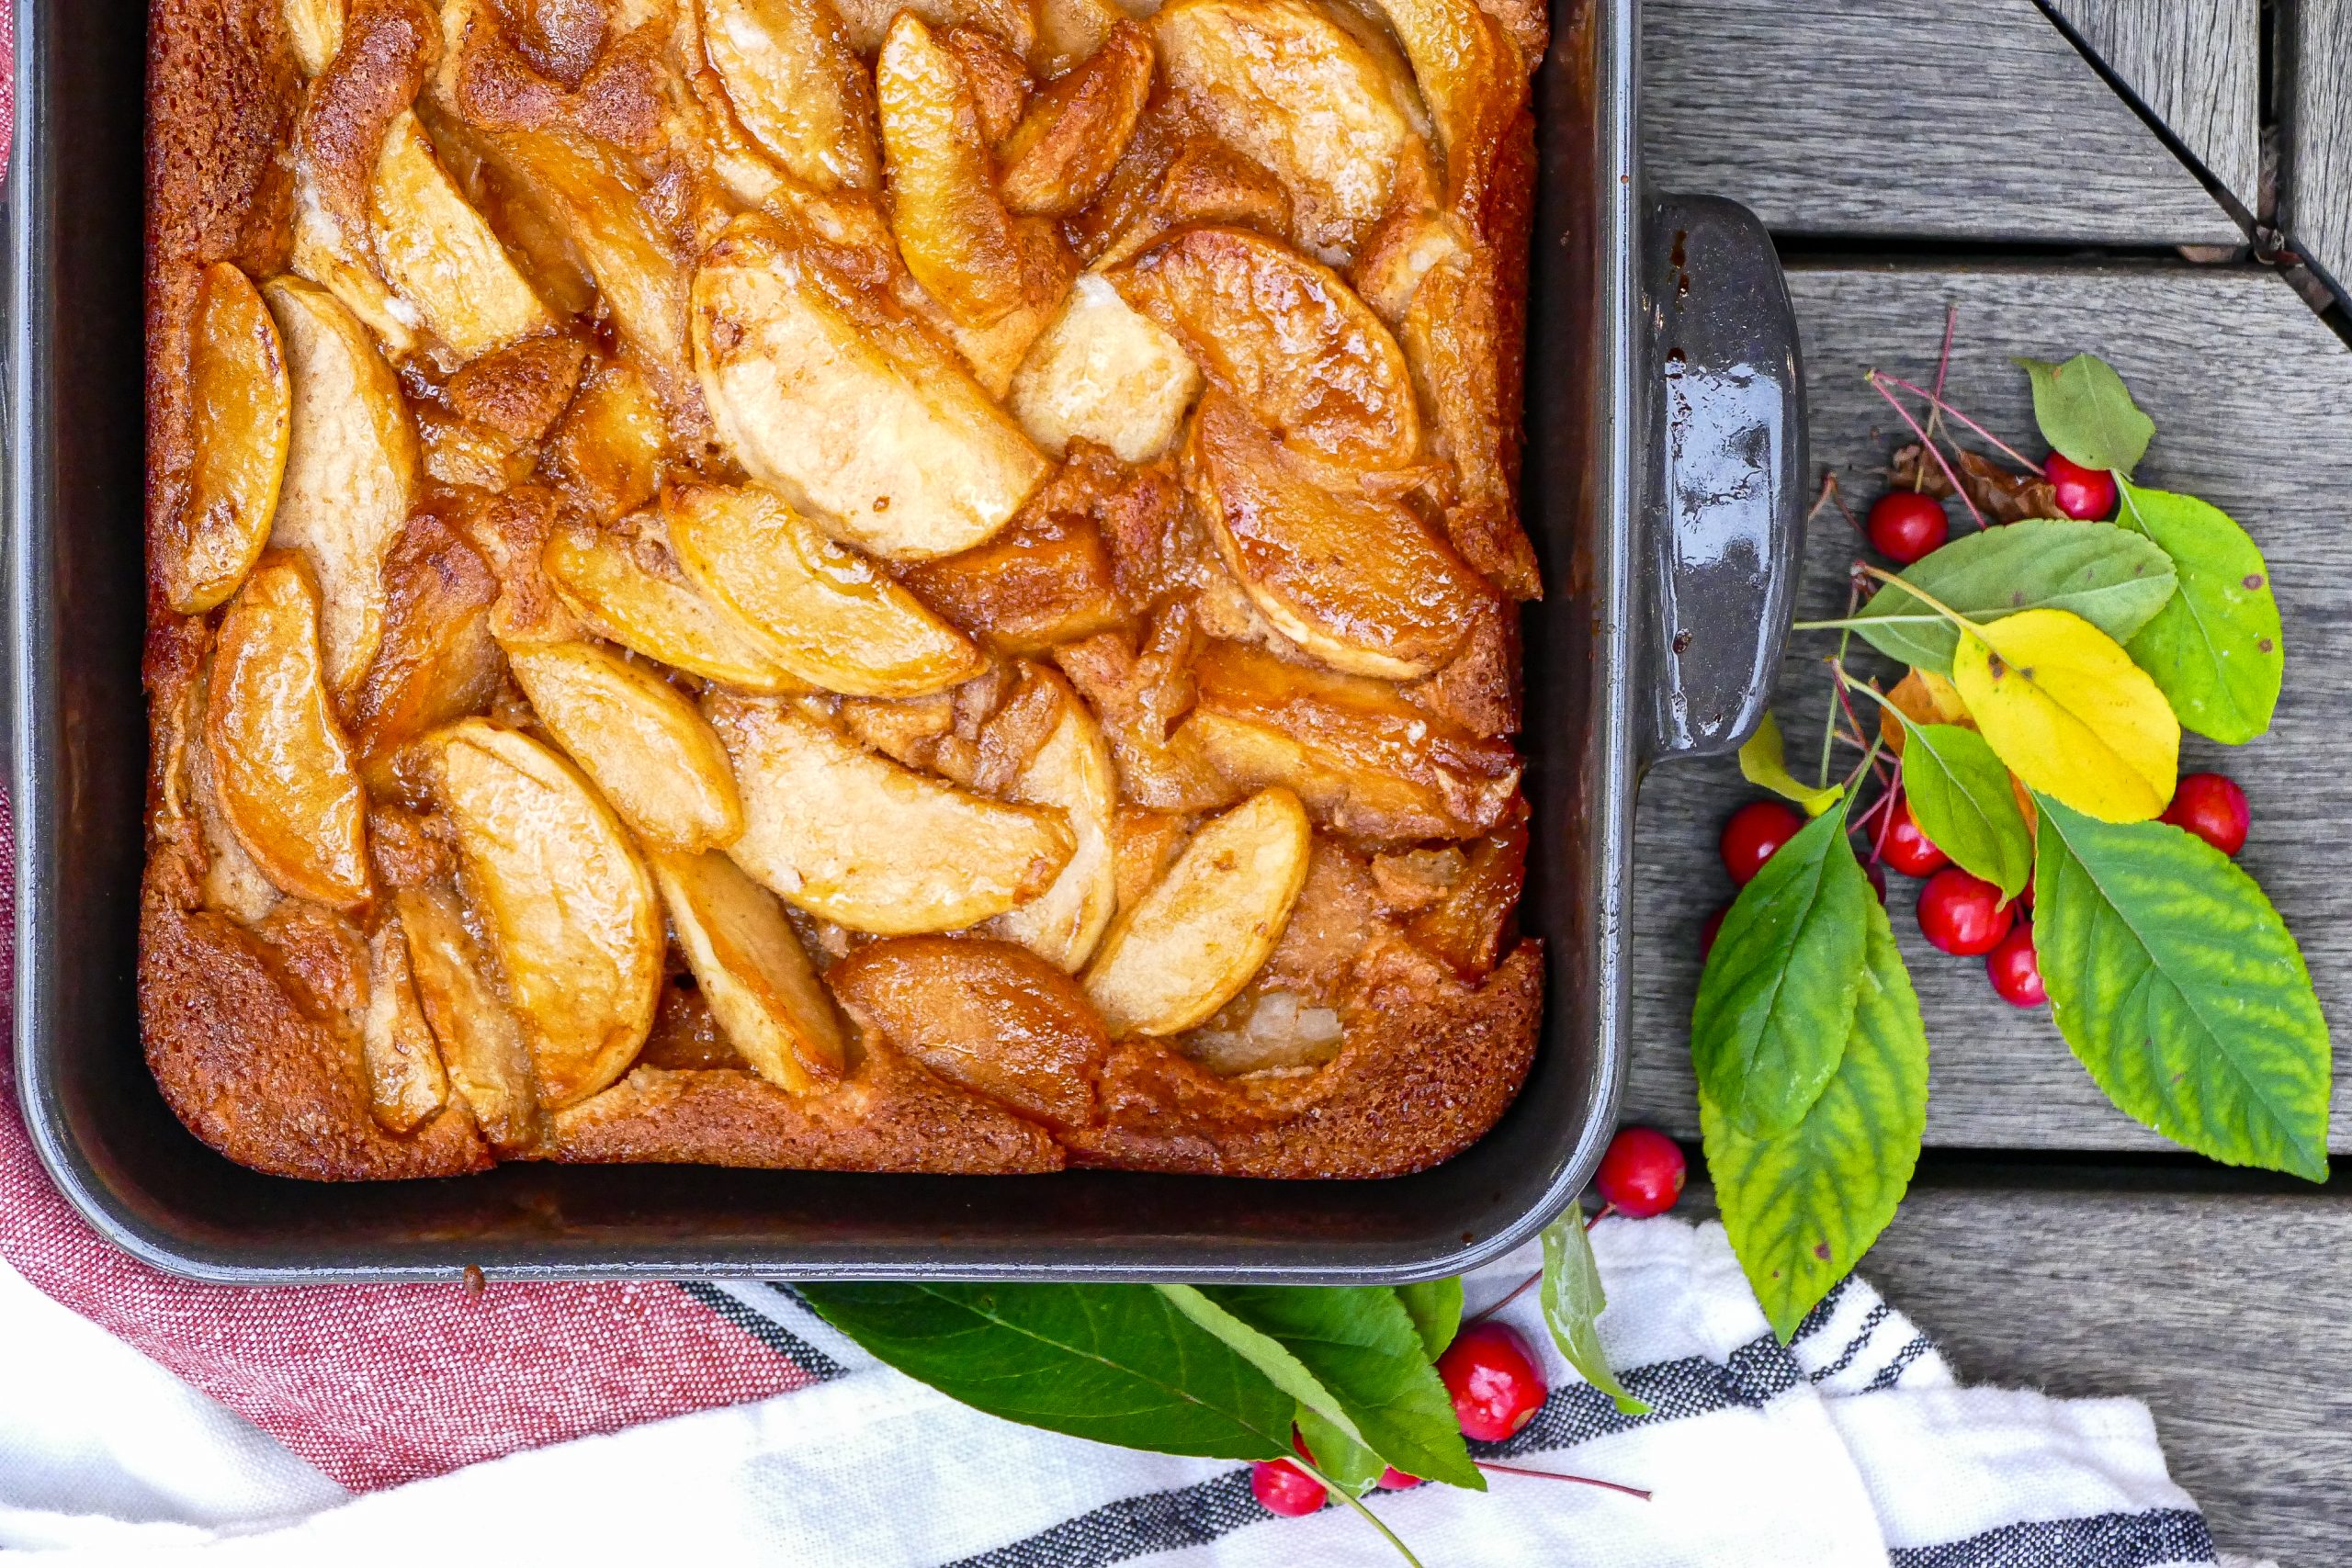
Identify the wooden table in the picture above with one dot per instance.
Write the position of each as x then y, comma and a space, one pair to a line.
2088, 175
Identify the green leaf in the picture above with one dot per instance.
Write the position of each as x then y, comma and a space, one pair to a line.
2112, 578
1802, 1207
1435, 1307
1263, 1351
2179, 988
1777, 994
1366, 1372
1960, 795
1762, 763
1115, 1363
1344, 1463
1572, 1300
2087, 413
2214, 649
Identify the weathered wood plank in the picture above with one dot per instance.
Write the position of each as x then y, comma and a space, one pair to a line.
2248, 391
1916, 117
2197, 64
2215, 1309
2316, 173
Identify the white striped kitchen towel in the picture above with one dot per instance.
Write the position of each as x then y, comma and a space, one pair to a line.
1852, 1446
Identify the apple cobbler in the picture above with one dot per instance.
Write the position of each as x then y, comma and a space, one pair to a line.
859, 584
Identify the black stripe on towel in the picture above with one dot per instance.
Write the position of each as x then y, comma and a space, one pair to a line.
766, 1329
1891, 1374
1134, 1526
1870, 1320
1757, 1372
2160, 1536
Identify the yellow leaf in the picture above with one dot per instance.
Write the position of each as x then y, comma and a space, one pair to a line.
1923, 697
2064, 706
1760, 763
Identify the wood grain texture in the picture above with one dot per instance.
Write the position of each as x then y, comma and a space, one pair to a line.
2316, 173
2246, 387
2216, 1309
1916, 117
2197, 64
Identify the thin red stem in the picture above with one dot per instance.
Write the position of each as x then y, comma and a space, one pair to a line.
1830, 493
1598, 1214
1557, 1476
1516, 1292
2011, 453
1943, 359
1935, 415
1878, 384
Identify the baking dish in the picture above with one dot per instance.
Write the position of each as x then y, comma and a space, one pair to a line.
1662, 489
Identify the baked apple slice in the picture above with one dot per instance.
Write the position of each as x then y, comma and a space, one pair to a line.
991, 1016
482, 1048
440, 254
858, 840
351, 469
564, 898
986, 267
1061, 154
1287, 338
752, 970
1366, 762
1105, 373
1011, 23
827, 614
796, 86
314, 29
1069, 31
1472, 77
1070, 772
406, 1082
1207, 925
642, 743
1355, 580
855, 413
280, 768
438, 661
632, 592
243, 403
1327, 109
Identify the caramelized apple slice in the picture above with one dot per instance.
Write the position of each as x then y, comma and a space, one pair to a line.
481, 1043
827, 614
859, 840
351, 469
643, 743
1286, 84
243, 403
1196, 939
1366, 762
1107, 374
854, 413
1010, 22
752, 970
1473, 77
1071, 773
566, 902
1042, 583
441, 256
1287, 338
438, 661
1069, 31
607, 447
1356, 581
984, 265
405, 1080
603, 578
314, 29
1066, 146
280, 767
797, 87
991, 1016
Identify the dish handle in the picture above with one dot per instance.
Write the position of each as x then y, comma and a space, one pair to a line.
1724, 514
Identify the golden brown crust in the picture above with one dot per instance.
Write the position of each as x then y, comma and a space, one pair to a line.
892, 1116
1409, 1094
253, 1026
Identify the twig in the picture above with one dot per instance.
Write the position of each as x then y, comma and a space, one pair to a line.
2011, 453
1557, 1476
1830, 493
1878, 384
1935, 415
